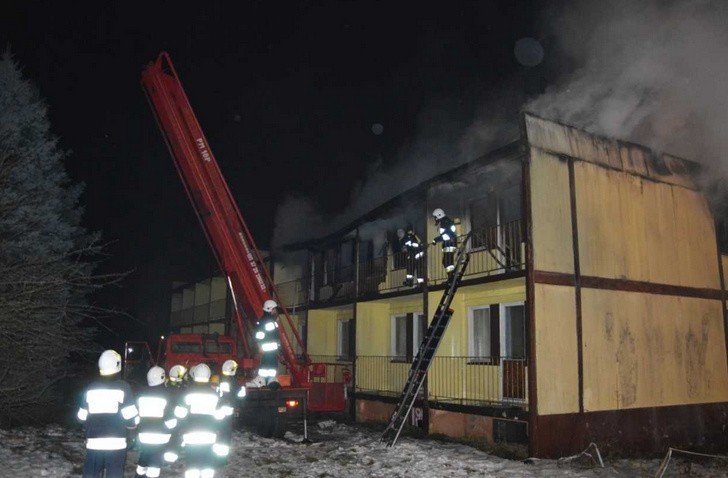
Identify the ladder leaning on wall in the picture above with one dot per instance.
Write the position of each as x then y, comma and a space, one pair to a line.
426, 352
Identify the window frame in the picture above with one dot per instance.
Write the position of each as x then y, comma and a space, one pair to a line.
340, 337
483, 359
412, 335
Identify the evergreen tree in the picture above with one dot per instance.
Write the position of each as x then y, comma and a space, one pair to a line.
46, 267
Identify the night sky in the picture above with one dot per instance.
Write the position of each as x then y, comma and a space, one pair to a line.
286, 92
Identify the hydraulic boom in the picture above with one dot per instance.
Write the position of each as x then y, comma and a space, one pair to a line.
236, 253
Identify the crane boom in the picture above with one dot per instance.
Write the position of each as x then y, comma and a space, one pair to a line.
231, 242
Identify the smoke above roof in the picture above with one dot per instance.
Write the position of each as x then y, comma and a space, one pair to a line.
652, 72
448, 135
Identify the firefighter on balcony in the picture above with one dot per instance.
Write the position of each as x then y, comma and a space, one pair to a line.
447, 234
201, 420
108, 409
266, 335
154, 425
414, 252
228, 391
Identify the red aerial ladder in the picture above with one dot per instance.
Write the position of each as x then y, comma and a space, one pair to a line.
248, 278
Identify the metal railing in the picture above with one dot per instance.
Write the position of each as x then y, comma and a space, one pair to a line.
493, 250
492, 381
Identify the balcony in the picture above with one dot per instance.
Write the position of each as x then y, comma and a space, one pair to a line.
493, 251
472, 381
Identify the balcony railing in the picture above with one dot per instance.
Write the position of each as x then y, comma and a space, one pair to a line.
493, 250
462, 380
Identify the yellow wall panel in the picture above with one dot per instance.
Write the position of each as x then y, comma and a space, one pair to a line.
636, 229
602, 242
556, 350
647, 350
660, 223
551, 213
323, 329
373, 328
696, 250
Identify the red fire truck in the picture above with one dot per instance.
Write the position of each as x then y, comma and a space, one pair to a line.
305, 385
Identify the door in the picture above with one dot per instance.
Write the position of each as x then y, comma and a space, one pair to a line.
513, 351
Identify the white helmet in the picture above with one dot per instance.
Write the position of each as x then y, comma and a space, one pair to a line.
229, 367
438, 214
200, 372
400, 233
155, 376
269, 305
177, 373
109, 362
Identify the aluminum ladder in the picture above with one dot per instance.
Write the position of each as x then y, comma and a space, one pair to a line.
426, 352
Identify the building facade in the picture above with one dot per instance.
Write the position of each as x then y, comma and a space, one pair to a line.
592, 308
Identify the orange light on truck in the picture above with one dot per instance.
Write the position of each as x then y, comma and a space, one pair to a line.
292, 403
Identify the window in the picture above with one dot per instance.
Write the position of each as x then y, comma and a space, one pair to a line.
345, 339
492, 218
408, 330
514, 331
186, 347
479, 324
212, 347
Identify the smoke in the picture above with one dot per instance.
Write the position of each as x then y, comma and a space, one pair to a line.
654, 72
448, 135
450, 132
650, 71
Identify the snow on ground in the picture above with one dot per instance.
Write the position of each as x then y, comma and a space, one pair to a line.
336, 450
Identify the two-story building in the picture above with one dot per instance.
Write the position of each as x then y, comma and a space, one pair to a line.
592, 309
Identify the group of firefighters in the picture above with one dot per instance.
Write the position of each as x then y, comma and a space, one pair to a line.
187, 413
414, 251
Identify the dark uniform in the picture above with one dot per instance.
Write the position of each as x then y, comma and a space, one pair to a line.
227, 390
107, 408
156, 421
266, 335
414, 252
448, 236
201, 415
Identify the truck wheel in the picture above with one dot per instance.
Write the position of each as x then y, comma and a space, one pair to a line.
281, 423
267, 423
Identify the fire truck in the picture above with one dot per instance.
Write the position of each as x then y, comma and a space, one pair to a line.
304, 385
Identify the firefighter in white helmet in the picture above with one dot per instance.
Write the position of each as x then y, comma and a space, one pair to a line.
447, 234
201, 414
108, 409
155, 423
266, 335
228, 390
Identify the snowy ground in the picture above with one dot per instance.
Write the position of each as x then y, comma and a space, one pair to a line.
337, 450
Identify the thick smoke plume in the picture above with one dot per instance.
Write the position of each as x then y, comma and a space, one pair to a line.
654, 72
649, 71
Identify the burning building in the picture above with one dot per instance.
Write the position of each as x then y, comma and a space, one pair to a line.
592, 309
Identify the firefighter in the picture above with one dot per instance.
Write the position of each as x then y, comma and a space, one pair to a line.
412, 246
267, 337
447, 234
177, 375
108, 409
155, 423
227, 390
201, 414
177, 383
